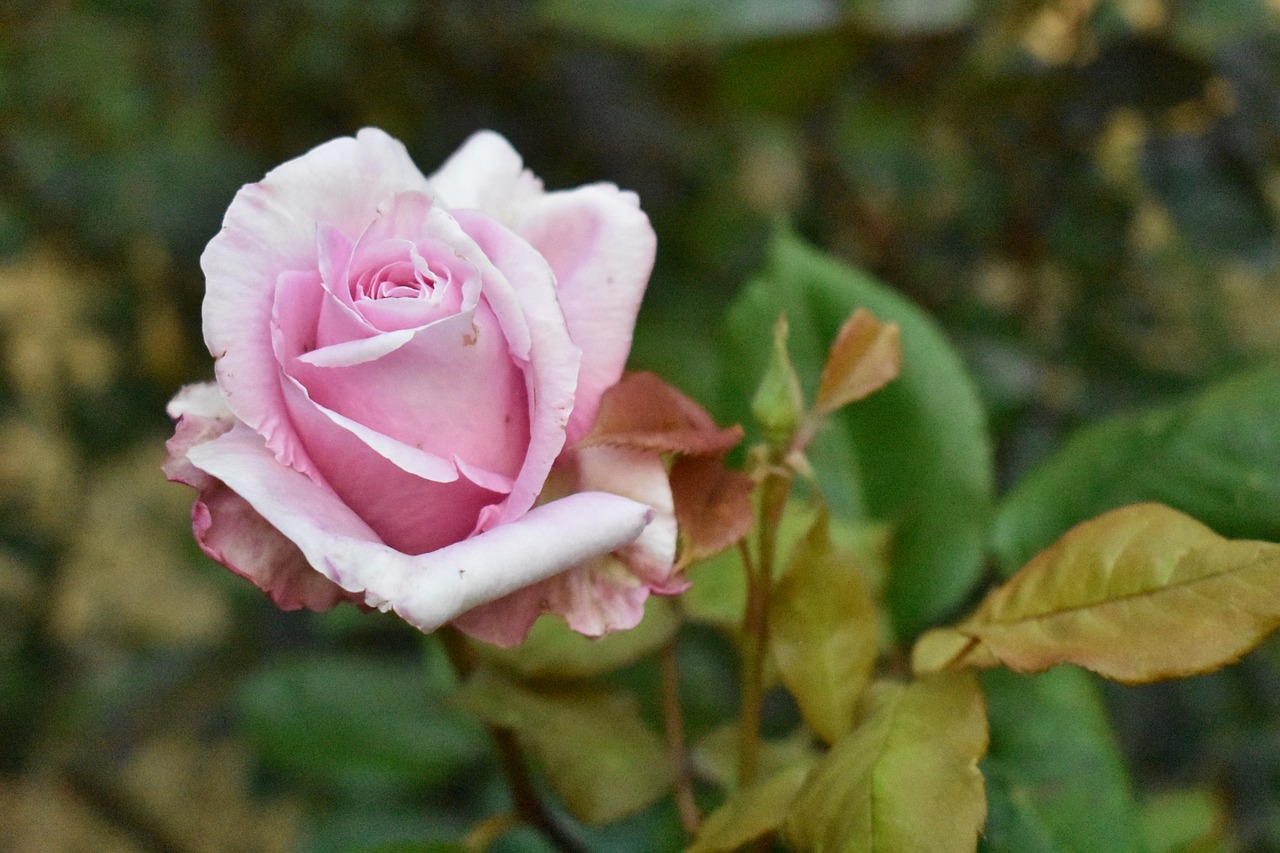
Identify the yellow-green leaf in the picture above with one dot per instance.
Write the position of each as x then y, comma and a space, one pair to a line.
1190, 821
718, 595
554, 650
599, 756
750, 812
822, 628
866, 356
1138, 594
905, 779
715, 755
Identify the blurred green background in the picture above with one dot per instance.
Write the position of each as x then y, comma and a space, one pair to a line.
1083, 193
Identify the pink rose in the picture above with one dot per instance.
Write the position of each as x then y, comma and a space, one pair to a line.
404, 364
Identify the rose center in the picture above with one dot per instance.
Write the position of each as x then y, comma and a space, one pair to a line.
407, 278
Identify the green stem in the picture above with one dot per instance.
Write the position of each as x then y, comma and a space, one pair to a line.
673, 717
773, 499
528, 805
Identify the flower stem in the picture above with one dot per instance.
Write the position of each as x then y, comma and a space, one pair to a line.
528, 805
773, 499
673, 717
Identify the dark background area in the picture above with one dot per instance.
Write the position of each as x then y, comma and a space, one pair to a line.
1083, 193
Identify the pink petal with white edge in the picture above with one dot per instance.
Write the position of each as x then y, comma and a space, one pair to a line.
381, 480
597, 608
596, 238
452, 390
606, 593
226, 528
430, 589
486, 174
270, 229
601, 246
552, 371
641, 476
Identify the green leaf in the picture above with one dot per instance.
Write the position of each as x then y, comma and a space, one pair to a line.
357, 725
1215, 457
718, 591
822, 632
554, 650
715, 755
598, 754
906, 778
915, 454
1056, 781
1139, 594
750, 812
675, 23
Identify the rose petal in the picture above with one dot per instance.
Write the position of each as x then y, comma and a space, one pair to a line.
553, 358
602, 248
606, 593
413, 506
225, 527
641, 476
486, 174
230, 532
270, 229
455, 389
430, 589
600, 593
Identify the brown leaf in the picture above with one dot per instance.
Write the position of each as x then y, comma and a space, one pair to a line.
1138, 594
866, 356
713, 506
645, 413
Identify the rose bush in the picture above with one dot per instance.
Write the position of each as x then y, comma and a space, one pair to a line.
403, 367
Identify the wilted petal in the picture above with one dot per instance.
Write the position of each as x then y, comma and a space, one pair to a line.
641, 476
645, 413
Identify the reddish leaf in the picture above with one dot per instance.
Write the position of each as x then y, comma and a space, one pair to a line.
645, 413
866, 356
713, 506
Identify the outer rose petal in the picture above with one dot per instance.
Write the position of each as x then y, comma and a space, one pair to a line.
642, 477
426, 590
596, 238
602, 247
606, 593
553, 366
486, 174
269, 229
225, 526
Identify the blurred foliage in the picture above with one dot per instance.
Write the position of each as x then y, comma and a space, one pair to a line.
1083, 194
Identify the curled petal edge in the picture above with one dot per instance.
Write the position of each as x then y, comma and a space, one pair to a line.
426, 590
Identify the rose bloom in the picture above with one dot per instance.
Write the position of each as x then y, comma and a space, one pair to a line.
404, 365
